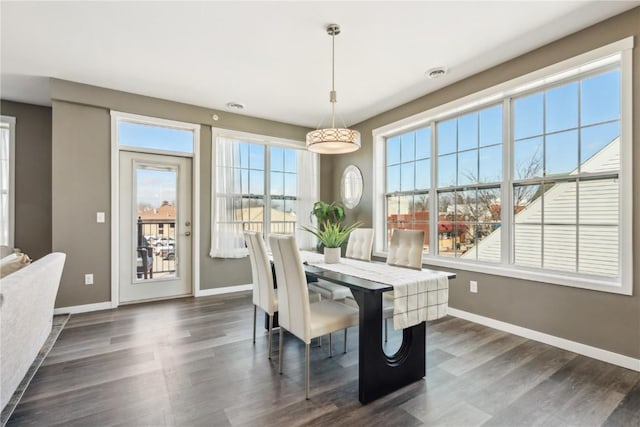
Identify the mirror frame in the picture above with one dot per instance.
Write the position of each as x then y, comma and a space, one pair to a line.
351, 172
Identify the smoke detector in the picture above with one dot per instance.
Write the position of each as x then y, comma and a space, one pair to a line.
235, 106
437, 72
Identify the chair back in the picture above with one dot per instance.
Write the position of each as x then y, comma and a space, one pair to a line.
405, 248
263, 293
360, 244
293, 295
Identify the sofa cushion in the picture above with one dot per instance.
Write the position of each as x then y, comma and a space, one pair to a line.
6, 251
12, 263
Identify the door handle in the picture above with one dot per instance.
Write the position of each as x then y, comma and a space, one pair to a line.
187, 233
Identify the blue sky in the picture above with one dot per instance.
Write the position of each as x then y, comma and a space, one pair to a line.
161, 138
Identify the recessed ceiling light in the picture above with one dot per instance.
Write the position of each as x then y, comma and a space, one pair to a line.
437, 72
235, 106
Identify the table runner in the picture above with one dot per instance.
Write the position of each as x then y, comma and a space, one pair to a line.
418, 295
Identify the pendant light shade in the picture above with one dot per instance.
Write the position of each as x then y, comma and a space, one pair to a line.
333, 140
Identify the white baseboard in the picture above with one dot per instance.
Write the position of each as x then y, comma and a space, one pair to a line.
576, 347
74, 309
225, 290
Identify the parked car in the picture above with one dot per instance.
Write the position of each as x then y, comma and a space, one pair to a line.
167, 252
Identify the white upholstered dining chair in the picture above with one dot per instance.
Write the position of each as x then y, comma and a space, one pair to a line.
405, 250
304, 320
264, 295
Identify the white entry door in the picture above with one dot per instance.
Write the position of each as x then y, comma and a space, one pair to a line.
155, 226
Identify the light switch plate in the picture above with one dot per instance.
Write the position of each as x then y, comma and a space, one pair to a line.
473, 286
100, 217
88, 279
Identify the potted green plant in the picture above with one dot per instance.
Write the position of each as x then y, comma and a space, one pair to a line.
332, 236
332, 212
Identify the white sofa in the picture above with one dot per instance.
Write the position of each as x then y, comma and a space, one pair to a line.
27, 298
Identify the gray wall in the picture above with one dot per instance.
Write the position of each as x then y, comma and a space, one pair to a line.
33, 177
599, 319
81, 182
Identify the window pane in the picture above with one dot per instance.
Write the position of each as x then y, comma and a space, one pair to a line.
491, 164
468, 131
407, 178
241, 184
277, 159
527, 204
447, 137
600, 100
256, 156
393, 179
598, 251
468, 167
491, 126
290, 184
244, 155
446, 224
421, 207
405, 209
562, 108
463, 240
393, 209
527, 245
560, 247
561, 153
560, 204
528, 116
290, 160
599, 202
154, 136
528, 158
593, 139
277, 183
466, 205
423, 143
256, 182
447, 170
423, 174
488, 245
393, 150
408, 147
489, 205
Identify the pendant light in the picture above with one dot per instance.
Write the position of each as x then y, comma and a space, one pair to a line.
333, 140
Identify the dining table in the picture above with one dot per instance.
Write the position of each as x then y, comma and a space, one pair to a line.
379, 373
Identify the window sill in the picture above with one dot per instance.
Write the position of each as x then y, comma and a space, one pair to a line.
554, 278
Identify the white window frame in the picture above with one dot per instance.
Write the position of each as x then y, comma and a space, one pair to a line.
267, 141
10, 123
617, 52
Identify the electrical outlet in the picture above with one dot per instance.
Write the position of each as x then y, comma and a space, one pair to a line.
473, 286
88, 279
100, 217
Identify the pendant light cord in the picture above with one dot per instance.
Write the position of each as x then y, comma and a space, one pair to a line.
332, 95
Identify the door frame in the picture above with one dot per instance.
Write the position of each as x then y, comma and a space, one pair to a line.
117, 116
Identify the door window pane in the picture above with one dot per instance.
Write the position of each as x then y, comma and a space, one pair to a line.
140, 135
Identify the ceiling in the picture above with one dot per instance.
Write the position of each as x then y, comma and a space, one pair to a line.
275, 57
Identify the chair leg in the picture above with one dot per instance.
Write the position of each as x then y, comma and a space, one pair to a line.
254, 323
306, 373
345, 341
330, 347
280, 344
386, 332
270, 333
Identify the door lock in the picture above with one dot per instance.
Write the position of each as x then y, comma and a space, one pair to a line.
188, 223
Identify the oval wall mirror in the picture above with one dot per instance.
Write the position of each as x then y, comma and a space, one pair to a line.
351, 186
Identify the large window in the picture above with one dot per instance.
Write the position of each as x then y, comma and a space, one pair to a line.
527, 179
257, 188
7, 161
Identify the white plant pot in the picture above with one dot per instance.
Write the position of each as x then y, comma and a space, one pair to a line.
331, 255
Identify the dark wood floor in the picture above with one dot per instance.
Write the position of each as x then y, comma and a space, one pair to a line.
191, 362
